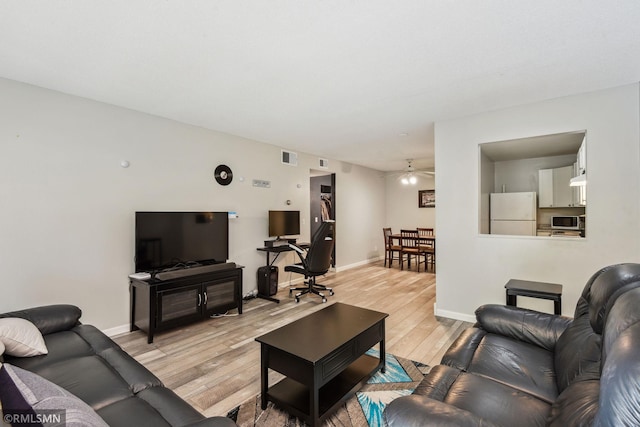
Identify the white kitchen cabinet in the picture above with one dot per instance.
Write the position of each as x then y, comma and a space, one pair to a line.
578, 192
553, 188
562, 192
545, 188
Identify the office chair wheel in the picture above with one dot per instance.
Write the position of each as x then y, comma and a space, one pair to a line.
331, 293
290, 291
324, 299
297, 299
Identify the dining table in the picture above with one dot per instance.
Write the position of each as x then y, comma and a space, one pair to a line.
395, 239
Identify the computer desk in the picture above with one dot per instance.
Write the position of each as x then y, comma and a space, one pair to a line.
277, 250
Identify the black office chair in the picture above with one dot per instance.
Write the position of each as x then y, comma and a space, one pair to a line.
316, 262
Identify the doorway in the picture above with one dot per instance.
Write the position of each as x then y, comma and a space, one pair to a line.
322, 189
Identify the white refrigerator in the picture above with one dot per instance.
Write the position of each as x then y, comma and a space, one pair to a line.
513, 213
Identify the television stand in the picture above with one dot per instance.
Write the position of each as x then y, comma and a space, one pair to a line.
195, 294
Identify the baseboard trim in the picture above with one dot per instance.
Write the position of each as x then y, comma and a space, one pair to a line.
116, 330
357, 264
294, 282
454, 315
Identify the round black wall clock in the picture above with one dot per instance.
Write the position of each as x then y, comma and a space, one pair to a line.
223, 175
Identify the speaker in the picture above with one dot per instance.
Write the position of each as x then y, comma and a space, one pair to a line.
268, 280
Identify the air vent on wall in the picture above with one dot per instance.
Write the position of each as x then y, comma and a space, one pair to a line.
289, 158
323, 163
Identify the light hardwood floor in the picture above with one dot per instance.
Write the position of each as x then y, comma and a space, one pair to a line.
215, 364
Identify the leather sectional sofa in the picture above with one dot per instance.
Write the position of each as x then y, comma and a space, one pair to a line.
85, 362
519, 367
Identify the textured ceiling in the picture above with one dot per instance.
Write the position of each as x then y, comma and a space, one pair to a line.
340, 79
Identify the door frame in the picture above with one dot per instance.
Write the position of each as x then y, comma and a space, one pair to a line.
313, 173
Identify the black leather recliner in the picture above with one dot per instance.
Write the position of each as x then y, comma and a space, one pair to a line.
518, 367
87, 363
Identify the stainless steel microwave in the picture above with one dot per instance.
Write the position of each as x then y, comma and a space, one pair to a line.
565, 222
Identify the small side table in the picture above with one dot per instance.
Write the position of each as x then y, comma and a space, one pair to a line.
542, 290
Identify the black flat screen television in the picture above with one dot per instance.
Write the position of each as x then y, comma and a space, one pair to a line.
167, 240
284, 223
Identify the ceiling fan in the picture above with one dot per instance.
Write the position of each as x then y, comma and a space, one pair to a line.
410, 174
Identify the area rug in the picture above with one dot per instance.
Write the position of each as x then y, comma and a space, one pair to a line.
364, 409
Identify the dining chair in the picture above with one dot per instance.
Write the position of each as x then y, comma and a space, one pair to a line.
425, 231
409, 243
427, 247
390, 247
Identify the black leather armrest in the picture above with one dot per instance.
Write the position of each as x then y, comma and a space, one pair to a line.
419, 411
461, 352
50, 318
530, 326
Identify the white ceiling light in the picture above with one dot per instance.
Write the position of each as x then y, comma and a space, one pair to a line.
410, 174
409, 178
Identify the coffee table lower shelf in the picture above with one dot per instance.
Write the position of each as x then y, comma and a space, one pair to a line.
294, 397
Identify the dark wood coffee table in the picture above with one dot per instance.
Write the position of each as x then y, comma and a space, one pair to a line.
323, 359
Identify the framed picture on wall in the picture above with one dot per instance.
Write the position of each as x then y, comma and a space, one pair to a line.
426, 198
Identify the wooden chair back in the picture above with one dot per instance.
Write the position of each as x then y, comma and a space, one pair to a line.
387, 233
425, 231
409, 239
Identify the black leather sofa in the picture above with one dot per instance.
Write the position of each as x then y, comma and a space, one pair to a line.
519, 367
85, 362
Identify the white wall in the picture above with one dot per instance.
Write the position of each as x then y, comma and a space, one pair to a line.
472, 269
402, 204
522, 175
67, 217
360, 201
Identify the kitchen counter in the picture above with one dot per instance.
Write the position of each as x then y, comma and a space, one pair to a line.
546, 230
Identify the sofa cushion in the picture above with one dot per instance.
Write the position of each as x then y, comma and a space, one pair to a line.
620, 381
21, 338
133, 412
90, 378
413, 411
137, 376
518, 364
577, 405
60, 345
25, 393
622, 315
578, 353
157, 407
484, 397
505, 360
